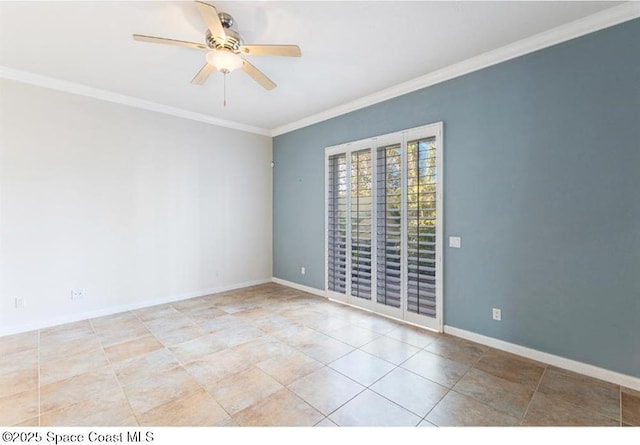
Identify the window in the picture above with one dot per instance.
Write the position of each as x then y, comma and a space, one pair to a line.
384, 219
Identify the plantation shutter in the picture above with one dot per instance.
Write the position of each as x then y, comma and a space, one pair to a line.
389, 225
384, 224
361, 212
422, 178
337, 223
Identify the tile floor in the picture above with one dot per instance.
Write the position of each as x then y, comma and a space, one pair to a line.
271, 355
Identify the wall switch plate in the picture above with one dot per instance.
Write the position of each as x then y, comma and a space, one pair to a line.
77, 294
303, 270
497, 314
455, 241
20, 302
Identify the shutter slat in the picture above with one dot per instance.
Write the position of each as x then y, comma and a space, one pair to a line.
337, 236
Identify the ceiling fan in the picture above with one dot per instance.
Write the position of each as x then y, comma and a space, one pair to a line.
225, 47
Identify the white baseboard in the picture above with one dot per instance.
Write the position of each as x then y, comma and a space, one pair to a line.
302, 287
549, 359
17, 329
533, 354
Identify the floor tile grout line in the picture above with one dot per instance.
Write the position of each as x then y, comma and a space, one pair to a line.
132, 312
435, 405
326, 365
339, 357
322, 420
182, 366
375, 356
457, 381
472, 366
581, 407
402, 406
535, 391
420, 418
414, 354
109, 364
395, 366
369, 387
468, 369
452, 389
426, 378
346, 401
115, 376
166, 345
620, 402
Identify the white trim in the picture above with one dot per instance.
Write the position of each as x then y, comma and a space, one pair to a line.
550, 359
326, 222
440, 227
349, 246
533, 354
108, 96
302, 287
595, 22
125, 308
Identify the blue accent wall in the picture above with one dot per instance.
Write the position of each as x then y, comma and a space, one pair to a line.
542, 182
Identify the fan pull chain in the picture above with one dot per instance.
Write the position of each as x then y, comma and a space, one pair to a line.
224, 103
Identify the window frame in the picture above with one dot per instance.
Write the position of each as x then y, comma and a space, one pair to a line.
373, 143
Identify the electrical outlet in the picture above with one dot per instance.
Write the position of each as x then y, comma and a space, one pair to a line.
455, 242
20, 302
497, 314
303, 270
77, 294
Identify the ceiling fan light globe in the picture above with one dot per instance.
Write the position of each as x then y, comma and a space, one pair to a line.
224, 61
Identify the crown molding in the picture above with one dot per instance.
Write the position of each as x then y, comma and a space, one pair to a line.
595, 22
96, 93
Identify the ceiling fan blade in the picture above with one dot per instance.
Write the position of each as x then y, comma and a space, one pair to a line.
257, 75
152, 39
271, 50
210, 16
203, 74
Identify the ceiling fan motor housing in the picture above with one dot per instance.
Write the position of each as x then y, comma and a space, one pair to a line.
226, 20
232, 42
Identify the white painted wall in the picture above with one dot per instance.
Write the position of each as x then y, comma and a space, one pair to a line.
133, 206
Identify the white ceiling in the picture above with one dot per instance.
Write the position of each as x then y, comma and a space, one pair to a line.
349, 49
